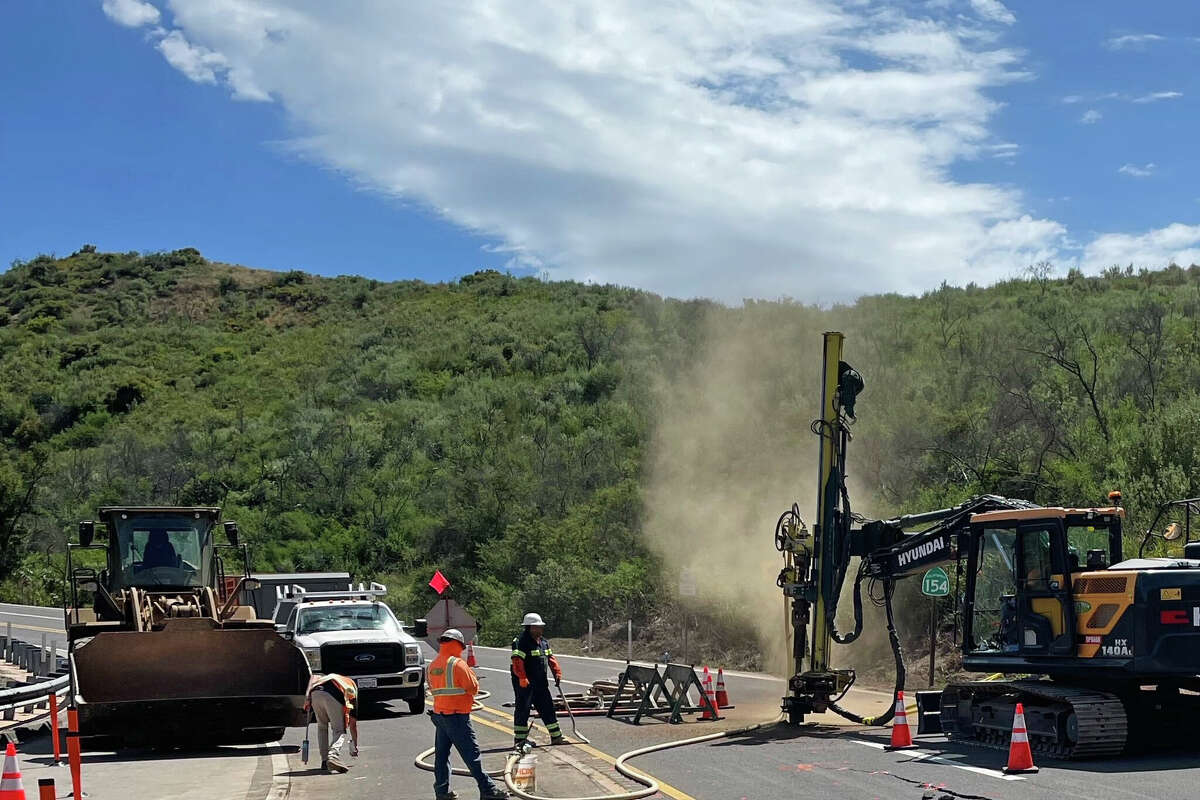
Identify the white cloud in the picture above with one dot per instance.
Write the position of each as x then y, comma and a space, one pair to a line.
1154, 97
198, 63
130, 13
726, 148
1090, 117
1175, 244
1133, 41
1073, 98
1137, 172
994, 11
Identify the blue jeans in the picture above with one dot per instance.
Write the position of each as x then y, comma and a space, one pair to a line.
455, 729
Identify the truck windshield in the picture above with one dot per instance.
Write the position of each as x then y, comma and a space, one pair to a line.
163, 550
322, 619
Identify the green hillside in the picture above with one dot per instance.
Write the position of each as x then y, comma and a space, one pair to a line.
523, 435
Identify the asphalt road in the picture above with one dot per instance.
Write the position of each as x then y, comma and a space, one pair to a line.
821, 760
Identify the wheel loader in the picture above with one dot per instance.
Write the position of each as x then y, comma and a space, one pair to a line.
160, 650
1101, 650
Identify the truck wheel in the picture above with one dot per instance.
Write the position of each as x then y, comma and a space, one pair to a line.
416, 705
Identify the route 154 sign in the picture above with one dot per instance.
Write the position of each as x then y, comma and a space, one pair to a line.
936, 583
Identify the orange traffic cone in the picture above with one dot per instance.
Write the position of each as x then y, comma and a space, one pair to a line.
471, 653
722, 695
1020, 757
11, 787
901, 733
710, 695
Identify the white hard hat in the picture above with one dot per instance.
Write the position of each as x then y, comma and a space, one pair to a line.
452, 634
532, 619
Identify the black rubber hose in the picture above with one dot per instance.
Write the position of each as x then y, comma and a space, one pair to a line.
886, 717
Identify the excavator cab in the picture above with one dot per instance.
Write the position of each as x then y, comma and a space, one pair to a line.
1023, 570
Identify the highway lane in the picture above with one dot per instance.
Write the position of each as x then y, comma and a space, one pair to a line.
33, 620
818, 761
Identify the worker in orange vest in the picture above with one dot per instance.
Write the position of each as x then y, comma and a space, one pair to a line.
453, 685
333, 700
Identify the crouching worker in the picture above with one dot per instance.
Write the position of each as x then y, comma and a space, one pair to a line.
453, 685
333, 700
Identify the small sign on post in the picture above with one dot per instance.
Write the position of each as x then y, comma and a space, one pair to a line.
935, 584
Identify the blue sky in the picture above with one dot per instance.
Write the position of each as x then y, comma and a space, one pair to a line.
886, 148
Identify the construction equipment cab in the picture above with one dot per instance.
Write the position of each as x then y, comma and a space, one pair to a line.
354, 633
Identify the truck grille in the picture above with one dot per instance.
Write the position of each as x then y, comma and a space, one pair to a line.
362, 659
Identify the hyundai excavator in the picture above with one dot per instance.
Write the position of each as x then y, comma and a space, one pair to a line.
160, 649
1105, 644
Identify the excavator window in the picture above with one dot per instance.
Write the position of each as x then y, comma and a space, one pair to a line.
994, 613
1035, 547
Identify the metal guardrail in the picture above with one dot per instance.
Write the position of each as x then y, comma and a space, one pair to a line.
31, 697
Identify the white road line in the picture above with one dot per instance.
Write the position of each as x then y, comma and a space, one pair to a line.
506, 672
281, 782
920, 756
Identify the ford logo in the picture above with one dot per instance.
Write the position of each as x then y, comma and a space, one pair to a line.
364, 658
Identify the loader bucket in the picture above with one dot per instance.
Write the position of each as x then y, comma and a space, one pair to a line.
192, 682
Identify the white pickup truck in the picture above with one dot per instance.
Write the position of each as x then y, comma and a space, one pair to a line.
353, 633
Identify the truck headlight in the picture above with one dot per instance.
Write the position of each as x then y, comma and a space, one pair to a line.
313, 654
412, 655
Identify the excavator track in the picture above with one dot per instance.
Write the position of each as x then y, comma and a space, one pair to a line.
1086, 723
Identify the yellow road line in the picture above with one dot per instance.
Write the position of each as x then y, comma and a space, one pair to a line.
663, 787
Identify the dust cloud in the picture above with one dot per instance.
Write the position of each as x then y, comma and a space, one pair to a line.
731, 451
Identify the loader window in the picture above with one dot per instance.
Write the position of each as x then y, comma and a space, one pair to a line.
163, 550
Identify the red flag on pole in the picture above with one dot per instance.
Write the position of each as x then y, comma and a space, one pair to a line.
439, 582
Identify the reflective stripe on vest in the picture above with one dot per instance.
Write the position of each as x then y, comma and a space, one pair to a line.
450, 688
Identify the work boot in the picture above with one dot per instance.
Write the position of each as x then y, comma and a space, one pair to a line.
337, 766
447, 796
496, 794
560, 739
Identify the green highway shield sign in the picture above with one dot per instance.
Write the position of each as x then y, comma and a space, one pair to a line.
936, 583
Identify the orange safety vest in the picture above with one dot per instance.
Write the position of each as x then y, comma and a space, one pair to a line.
348, 687
452, 684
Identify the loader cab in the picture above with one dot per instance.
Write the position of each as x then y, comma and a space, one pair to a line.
160, 548
1021, 567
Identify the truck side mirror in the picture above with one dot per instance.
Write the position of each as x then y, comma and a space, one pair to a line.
87, 531
420, 628
251, 584
231, 533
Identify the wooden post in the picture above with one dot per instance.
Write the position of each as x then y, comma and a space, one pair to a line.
629, 638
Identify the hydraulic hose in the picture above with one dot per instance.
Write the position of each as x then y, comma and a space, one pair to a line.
889, 586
